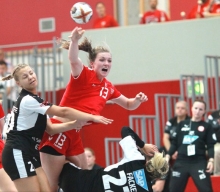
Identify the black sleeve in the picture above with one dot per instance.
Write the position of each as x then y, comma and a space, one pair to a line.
174, 142
126, 131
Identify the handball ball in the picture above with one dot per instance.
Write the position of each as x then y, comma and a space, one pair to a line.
81, 12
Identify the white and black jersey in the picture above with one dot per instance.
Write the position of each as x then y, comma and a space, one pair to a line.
25, 126
27, 122
128, 175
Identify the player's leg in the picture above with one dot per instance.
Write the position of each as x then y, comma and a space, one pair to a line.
79, 160
75, 152
200, 177
6, 184
18, 165
52, 153
52, 166
43, 180
179, 177
27, 184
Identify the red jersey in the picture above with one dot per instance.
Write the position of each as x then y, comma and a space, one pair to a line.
2, 114
198, 10
87, 93
104, 22
154, 17
216, 8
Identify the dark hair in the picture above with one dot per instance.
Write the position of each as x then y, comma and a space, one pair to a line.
86, 46
99, 3
2, 62
200, 101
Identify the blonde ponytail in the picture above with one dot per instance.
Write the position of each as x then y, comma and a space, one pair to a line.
6, 78
86, 46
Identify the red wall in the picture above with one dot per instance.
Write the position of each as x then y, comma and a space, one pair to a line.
19, 19
93, 136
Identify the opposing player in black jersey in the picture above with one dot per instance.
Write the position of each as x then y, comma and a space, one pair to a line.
162, 185
26, 125
133, 173
214, 120
193, 137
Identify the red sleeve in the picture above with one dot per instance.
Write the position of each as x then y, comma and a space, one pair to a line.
192, 14
116, 93
114, 23
166, 17
142, 21
2, 114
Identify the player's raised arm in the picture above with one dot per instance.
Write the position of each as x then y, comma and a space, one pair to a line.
75, 62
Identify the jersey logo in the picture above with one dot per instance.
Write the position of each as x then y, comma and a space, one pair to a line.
188, 139
140, 178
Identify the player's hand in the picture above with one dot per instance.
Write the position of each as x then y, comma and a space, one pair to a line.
210, 167
167, 157
102, 120
79, 124
141, 97
149, 149
76, 34
174, 156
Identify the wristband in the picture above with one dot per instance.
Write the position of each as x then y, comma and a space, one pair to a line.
211, 161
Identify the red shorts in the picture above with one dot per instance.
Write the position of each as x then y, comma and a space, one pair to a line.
1, 149
68, 143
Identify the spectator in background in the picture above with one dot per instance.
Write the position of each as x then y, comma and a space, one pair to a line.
194, 137
200, 9
214, 9
154, 15
90, 155
214, 120
2, 58
103, 20
169, 135
8, 88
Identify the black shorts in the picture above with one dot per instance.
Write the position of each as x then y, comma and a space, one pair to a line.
19, 164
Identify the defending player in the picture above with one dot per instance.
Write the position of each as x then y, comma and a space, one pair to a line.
133, 173
26, 124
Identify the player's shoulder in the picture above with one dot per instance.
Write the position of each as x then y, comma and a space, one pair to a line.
215, 114
172, 121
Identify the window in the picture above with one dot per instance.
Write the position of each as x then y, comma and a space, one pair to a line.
47, 25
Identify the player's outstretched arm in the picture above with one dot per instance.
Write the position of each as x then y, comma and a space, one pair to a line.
62, 127
76, 63
73, 114
131, 103
148, 149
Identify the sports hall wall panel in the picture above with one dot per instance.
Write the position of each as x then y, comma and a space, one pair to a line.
157, 52
19, 19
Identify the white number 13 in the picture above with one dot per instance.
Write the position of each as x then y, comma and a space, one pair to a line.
104, 92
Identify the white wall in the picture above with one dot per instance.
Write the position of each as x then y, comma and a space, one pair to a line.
156, 52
